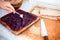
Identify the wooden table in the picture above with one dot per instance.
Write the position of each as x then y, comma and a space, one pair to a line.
33, 32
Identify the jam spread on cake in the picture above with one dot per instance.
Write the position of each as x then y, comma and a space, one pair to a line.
15, 22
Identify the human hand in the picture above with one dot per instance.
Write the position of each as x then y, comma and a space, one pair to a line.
7, 6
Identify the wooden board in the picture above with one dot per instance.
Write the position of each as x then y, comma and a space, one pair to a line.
53, 29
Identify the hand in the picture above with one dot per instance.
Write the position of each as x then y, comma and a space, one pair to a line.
7, 6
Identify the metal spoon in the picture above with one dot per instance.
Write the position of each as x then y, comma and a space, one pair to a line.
21, 15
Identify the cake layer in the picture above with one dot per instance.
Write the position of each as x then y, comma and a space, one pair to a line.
15, 22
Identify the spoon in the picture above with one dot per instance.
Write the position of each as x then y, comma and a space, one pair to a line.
21, 15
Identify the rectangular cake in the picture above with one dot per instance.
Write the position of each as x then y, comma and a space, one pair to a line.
17, 24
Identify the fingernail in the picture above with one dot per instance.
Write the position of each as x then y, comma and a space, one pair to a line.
14, 12
11, 10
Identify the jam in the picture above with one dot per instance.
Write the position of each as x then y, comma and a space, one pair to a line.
15, 22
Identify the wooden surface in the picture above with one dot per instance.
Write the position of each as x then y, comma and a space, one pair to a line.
52, 26
33, 33
53, 29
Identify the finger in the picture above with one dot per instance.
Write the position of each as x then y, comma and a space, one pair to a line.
11, 7
8, 9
